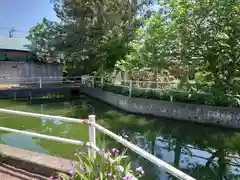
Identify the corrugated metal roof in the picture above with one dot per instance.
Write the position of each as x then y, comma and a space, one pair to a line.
14, 44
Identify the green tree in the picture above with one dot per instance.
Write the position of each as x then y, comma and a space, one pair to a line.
91, 35
44, 40
215, 41
97, 32
207, 38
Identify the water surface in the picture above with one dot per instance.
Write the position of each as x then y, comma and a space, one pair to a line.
204, 152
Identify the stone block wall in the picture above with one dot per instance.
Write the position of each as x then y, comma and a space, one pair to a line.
224, 116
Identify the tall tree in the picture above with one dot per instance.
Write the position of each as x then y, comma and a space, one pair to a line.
44, 40
97, 32
208, 38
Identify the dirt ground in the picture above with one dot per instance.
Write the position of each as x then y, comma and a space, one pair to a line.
9, 86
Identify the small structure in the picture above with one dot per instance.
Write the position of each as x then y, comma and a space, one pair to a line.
17, 61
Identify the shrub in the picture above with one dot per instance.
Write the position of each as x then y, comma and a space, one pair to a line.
138, 93
53, 96
99, 168
178, 96
151, 94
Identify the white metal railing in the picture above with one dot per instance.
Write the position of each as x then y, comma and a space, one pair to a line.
39, 82
36, 82
135, 83
92, 139
130, 84
92, 81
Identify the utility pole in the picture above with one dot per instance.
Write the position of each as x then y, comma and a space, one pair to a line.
11, 31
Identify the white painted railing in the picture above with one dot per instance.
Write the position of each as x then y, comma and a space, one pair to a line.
92, 81
92, 139
37, 82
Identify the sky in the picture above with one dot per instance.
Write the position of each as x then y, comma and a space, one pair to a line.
23, 15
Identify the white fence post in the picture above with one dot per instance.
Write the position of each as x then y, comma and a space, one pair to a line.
93, 81
92, 134
14, 96
130, 88
102, 81
82, 81
40, 82
30, 96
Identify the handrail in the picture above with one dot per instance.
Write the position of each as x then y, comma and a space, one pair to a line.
141, 81
92, 125
50, 117
61, 78
47, 137
170, 169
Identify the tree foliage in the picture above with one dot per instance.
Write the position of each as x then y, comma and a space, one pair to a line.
185, 38
198, 36
92, 35
44, 40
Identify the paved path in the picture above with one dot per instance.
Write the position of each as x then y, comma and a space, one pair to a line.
11, 173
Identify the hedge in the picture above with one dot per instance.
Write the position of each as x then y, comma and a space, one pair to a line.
173, 95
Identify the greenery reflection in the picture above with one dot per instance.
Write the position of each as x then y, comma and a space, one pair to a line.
202, 151
216, 149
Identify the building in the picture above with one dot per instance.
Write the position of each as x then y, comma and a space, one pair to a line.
17, 61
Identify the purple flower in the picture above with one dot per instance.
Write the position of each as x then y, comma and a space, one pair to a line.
81, 168
87, 170
120, 169
140, 170
72, 170
60, 164
115, 151
110, 174
127, 177
51, 178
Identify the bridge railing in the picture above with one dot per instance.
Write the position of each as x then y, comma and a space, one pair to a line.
35, 82
93, 81
92, 140
41, 82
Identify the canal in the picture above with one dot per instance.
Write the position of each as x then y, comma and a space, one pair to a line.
204, 152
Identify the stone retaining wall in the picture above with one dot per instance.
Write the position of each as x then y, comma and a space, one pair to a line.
33, 162
224, 116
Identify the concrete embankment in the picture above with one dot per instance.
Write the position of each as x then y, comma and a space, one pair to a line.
41, 165
15, 93
223, 116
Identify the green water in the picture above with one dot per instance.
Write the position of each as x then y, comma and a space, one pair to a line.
205, 152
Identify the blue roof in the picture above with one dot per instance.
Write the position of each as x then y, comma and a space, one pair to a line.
20, 44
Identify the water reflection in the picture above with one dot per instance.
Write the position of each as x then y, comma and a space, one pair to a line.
23, 142
206, 153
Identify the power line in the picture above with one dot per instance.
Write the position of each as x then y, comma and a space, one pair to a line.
11, 31
16, 30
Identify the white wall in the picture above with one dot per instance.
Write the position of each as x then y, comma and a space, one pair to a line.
29, 69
